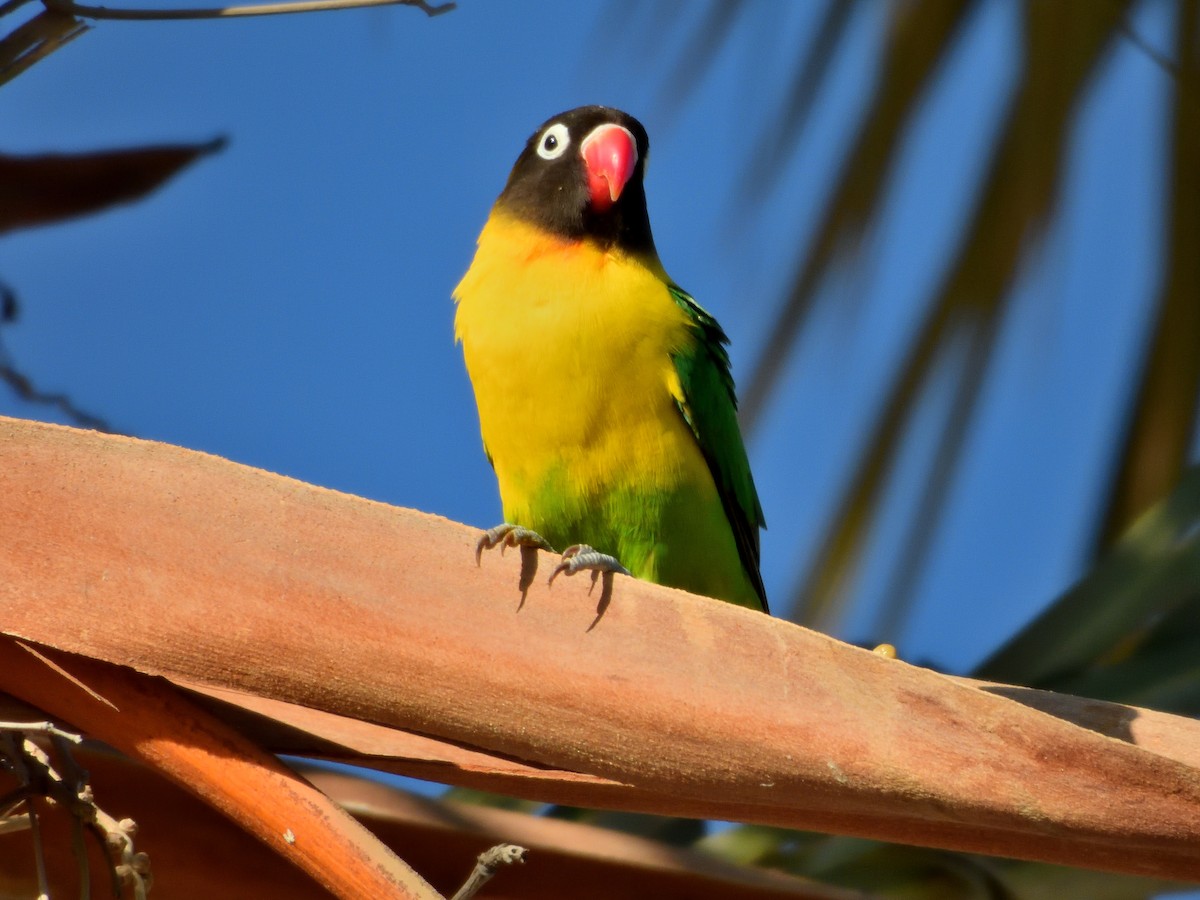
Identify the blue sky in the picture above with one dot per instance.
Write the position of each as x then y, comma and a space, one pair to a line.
286, 303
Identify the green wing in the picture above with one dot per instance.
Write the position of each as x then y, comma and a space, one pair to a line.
710, 408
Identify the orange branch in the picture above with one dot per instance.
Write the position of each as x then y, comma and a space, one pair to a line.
151, 721
188, 566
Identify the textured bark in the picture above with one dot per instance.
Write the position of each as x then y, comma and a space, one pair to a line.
197, 854
206, 572
152, 721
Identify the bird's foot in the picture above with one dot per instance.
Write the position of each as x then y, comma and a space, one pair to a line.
581, 557
507, 535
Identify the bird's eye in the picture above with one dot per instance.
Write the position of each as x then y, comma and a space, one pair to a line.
554, 141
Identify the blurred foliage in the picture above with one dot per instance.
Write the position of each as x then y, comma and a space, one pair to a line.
34, 39
1130, 630
52, 187
914, 873
1064, 45
1162, 421
1127, 632
46, 188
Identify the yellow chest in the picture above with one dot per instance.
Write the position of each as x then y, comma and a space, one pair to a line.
569, 350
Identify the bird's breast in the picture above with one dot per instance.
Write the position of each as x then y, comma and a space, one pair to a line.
569, 350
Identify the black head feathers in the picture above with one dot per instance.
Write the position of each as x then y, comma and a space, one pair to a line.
580, 176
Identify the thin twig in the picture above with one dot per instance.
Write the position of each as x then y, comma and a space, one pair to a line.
1164, 62
486, 865
34, 40
25, 389
130, 869
13, 824
65, 783
14, 748
47, 728
39, 854
14, 798
79, 848
77, 778
11, 5
223, 12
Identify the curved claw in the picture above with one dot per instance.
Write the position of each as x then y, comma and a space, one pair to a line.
507, 535
579, 557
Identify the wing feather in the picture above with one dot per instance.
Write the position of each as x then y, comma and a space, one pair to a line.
709, 406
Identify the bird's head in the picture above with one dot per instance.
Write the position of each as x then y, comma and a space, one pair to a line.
580, 176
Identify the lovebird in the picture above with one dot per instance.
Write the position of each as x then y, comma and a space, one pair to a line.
605, 400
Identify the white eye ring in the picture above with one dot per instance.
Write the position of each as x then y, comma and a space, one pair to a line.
554, 141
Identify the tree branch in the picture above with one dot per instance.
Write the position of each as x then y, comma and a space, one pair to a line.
671, 703
69, 7
486, 865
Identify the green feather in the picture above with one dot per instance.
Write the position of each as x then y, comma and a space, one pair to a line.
709, 407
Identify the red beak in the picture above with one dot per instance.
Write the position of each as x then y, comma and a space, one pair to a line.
610, 156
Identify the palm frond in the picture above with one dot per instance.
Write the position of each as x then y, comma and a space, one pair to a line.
1129, 616
918, 41
1162, 423
1017, 196
781, 136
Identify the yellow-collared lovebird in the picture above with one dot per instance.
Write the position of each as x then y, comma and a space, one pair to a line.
604, 394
